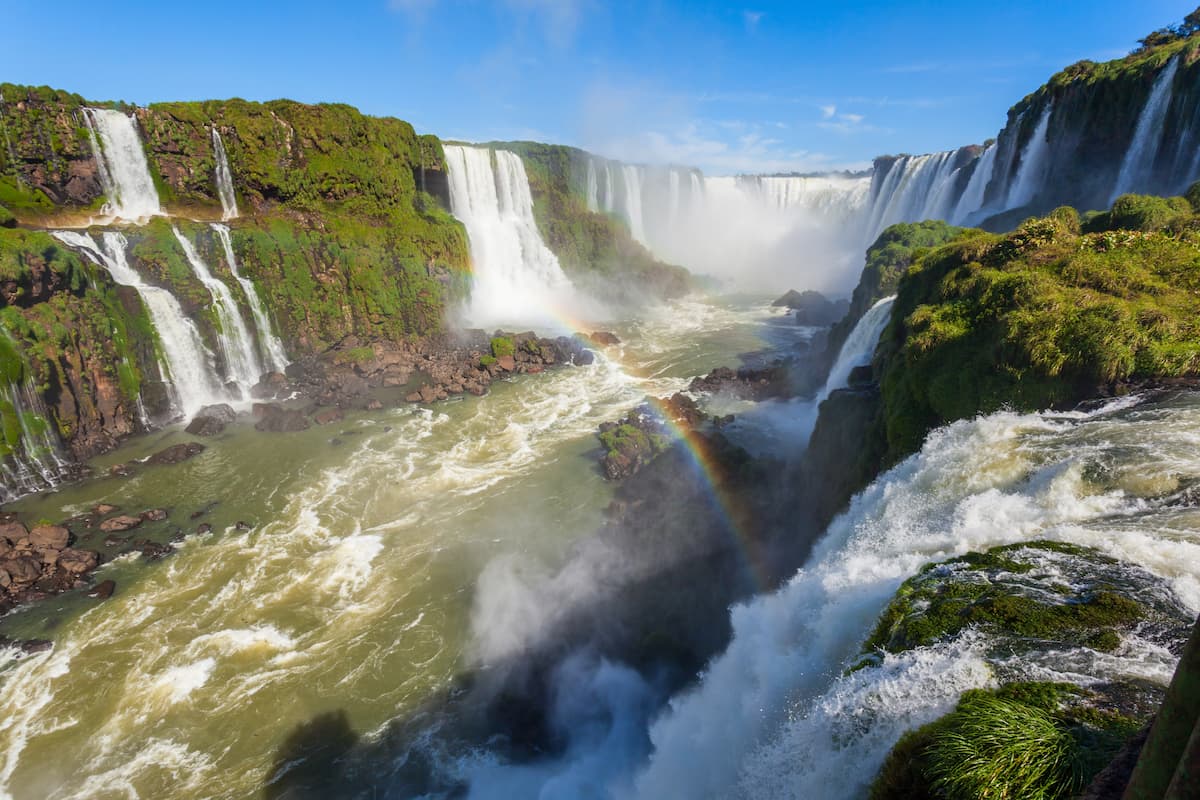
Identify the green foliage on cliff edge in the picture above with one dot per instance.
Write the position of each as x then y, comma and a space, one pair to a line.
1045, 316
596, 250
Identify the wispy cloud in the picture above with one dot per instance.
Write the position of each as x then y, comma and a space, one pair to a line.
827, 112
923, 66
752, 19
558, 20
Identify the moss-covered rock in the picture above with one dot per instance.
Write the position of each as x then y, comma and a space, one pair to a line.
1039, 318
1018, 592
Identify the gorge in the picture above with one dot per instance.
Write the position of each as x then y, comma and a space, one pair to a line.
391, 567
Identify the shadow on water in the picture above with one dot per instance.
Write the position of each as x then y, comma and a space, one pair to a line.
700, 528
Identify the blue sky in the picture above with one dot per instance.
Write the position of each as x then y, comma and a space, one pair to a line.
729, 87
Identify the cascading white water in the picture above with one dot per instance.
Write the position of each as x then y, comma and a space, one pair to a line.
631, 179
915, 188
1034, 163
859, 347
776, 715
673, 191
1137, 168
517, 279
610, 200
229, 209
121, 163
270, 345
593, 187
31, 457
185, 363
241, 362
972, 198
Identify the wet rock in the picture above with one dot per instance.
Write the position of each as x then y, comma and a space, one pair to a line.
506, 363
104, 509
336, 442
102, 590
22, 570
49, 556
204, 527
243, 525
123, 522
152, 551
176, 454
328, 416
211, 420
5, 547
277, 419
373, 405
198, 513
154, 515
78, 562
121, 470
112, 540
49, 537
273, 385
603, 339
32, 646
860, 377
13, 531
813, 309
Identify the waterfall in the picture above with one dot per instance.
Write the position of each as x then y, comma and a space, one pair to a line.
229, 209
631, 178
1033, 166
859, 347
517, 279
185, 363
269, 344
609, 196
30, 454
241, 362
972, 196
915, 188
777, 714
593, 187
1137, 168
121, 163
673, 204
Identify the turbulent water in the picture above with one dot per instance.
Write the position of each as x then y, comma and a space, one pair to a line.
775, 716
353, 592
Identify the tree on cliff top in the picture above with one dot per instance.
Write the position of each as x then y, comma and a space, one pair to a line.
1189, 27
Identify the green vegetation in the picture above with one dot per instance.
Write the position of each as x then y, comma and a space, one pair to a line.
887, 259
596, 250
502, 346
991, 591
632, 442
1023, 741
1045, 316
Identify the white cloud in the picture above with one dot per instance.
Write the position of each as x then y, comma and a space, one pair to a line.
827, 112
752, 18
853, 119
559, 19
414, 8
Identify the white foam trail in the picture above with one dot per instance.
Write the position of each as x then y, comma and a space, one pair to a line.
972, 198
229, 209
36, 461
121, 163
272, 348
241, 362
1137, 168
593, 187
859, 347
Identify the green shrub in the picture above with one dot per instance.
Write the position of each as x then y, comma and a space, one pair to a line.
503, 346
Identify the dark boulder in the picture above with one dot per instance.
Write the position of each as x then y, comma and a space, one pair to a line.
211, 420
121, 523
49, 537
813, 308
102, 590
78, 562
176, 454
275, 418
155, 515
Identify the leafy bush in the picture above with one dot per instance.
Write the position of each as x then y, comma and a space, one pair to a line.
503, 346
